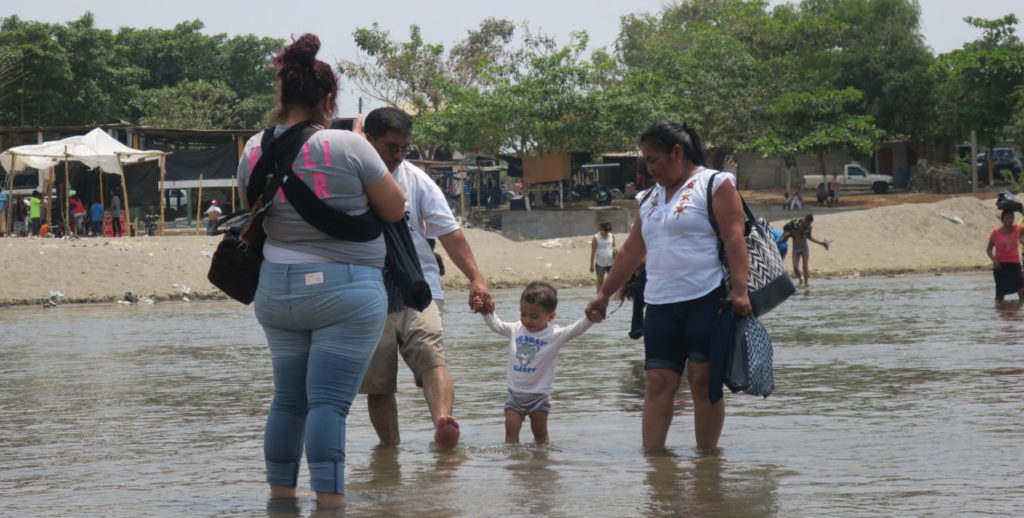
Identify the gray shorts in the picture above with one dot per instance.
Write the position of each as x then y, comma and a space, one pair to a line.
602, 270
526, 404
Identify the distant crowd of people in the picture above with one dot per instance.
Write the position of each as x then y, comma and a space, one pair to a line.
28, 217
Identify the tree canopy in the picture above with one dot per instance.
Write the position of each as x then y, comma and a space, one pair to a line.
75, 73
802, 77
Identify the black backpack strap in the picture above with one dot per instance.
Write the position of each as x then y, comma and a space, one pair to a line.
335, 223
267, 175
274, 170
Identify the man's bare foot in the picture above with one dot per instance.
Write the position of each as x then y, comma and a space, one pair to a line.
446, 433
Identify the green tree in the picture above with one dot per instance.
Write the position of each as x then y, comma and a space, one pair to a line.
191, 104
877, 47
103, 82
815, 123
1015, 128
695, 63
183, 54
977, 83
550, 102
35, 96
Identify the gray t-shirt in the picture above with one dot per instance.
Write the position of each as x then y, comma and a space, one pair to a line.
337, 166
115, 207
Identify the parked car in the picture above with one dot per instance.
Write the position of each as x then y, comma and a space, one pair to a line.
1003, 159
853, 177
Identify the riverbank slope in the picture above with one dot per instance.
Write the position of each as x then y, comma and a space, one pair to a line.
944, 236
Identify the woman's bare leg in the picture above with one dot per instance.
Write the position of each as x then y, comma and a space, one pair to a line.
659, 399
708, 419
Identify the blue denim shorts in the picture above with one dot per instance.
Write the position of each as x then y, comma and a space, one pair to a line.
680, 331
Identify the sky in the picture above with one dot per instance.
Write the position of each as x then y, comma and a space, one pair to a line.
440, 21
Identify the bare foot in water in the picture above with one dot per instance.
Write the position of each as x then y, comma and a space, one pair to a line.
446, 433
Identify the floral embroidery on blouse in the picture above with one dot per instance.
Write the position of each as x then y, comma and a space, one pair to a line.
681, 206
654, 206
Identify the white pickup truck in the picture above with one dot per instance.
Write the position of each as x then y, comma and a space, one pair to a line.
853, 177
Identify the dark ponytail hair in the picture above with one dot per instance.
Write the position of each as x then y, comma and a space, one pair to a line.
665, 135
303, 81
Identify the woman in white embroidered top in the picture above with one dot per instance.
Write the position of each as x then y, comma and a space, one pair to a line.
684, 277
602, 252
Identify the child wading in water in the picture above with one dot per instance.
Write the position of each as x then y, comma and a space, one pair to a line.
533, 347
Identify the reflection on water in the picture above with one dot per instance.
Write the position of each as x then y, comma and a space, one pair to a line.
895, 397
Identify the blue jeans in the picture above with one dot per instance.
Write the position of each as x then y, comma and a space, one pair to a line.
322, 322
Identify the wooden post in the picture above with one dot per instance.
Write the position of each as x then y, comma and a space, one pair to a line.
67, 196
47, 187
974, 161
462, 199
163, 176
233, 189
199, 202
124, 195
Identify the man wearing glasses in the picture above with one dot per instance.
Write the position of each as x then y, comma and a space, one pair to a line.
417, 335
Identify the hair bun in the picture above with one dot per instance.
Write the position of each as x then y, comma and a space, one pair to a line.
303, 50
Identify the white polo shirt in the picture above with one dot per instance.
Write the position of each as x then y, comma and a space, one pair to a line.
429, 217
682, 247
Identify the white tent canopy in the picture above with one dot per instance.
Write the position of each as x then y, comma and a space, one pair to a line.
95, 149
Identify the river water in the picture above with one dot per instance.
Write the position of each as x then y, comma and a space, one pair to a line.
895, 397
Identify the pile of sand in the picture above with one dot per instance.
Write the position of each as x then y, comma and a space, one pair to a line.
950, 235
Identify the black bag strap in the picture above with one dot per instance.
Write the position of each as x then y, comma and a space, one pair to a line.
711, 215
267, 174
335, 223
747, 224
313, 210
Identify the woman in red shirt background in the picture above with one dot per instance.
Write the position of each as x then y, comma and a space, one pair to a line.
1003, 246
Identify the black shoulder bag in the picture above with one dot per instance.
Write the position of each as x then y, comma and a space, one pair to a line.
235, 268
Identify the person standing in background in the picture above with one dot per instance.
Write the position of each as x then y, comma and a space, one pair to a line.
115, 213
78, 215
212, 216
1003, 245
602, 252
833, 190
35, 213
3, 212
96, 218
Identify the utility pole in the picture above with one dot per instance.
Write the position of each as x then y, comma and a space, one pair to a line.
974, 161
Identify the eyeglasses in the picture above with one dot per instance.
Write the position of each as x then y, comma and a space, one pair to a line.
394, 149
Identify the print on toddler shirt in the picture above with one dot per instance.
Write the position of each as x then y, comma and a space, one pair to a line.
525, 353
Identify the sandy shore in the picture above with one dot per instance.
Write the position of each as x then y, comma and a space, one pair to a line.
946, 236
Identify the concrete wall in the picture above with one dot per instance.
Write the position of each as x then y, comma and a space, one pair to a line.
753, 171
547, 224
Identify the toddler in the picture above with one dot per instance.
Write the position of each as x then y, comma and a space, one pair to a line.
532, 354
